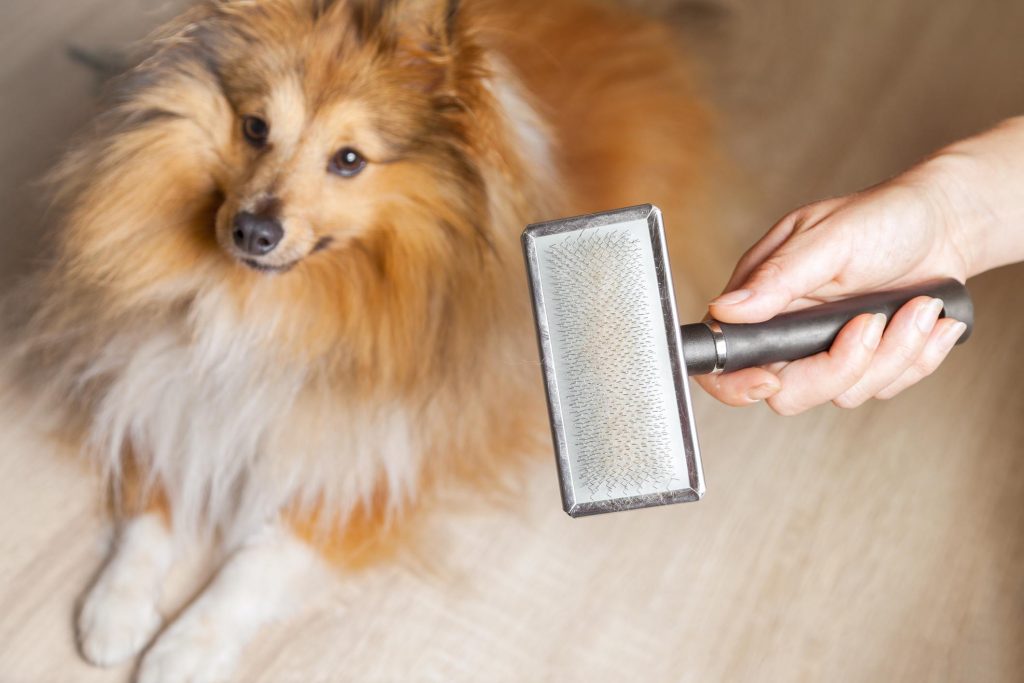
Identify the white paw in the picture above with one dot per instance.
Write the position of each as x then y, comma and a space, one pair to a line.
190, 651
116, 622
257, 584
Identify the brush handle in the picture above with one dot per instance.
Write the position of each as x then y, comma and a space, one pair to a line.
712, 346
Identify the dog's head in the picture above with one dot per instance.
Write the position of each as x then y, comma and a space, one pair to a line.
344, 126
303, 126
335, 157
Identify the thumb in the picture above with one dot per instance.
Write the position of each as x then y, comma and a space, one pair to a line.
798, 268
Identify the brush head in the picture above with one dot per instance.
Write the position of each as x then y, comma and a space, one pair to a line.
610, 349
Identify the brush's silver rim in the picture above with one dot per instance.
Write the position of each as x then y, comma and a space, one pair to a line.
652, 214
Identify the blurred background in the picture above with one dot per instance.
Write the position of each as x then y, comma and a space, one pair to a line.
881, 544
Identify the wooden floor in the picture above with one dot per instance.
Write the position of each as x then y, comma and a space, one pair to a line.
884, 544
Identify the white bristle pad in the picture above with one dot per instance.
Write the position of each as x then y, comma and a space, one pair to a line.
616, 393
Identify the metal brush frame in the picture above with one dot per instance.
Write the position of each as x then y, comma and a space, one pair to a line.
652, 215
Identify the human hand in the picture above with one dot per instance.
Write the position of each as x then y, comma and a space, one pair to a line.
902, 232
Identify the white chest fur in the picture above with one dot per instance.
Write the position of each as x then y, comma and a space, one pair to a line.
231, 434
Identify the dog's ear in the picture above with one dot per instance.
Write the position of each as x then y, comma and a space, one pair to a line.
431, 21
367, 18
424, 35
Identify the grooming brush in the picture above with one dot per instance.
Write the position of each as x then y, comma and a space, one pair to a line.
615, 359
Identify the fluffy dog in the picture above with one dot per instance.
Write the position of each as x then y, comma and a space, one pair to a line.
288, 298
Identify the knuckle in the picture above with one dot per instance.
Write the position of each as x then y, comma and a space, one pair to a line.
848, 377
849, 400
850, 372
784, 408
813, 215
905, 352
748, 261
771, 268
926, 364
787, 225
896, 388
803, 219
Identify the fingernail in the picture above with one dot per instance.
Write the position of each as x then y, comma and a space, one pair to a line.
951, 335
762, 391
873, 331
732, 298
927, 315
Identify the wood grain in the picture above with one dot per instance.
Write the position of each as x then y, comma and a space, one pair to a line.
885, 543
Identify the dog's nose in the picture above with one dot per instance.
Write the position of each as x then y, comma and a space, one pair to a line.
256, 235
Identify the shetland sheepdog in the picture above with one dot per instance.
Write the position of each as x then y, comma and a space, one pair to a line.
287, 299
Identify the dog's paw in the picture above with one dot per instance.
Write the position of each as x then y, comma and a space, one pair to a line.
115, 623
190, 651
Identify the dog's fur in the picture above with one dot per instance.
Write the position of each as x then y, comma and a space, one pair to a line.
391, 348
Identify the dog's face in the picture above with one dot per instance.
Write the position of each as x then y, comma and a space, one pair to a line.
336, 138
300, 180
320, 166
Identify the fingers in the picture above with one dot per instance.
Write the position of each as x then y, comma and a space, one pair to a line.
818, 379
941, 341
794, 223
901, 345
741, 388
858, 367
801, 263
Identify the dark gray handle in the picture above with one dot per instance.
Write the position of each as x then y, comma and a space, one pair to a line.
803, 333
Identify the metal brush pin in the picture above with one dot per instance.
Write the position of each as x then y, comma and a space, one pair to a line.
615, 359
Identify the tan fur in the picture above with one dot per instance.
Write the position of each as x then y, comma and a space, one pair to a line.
419, 300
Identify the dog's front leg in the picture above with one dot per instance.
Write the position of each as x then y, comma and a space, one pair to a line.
119, 614
261, 581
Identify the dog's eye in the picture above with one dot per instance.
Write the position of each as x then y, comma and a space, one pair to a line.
347, 162
256, 130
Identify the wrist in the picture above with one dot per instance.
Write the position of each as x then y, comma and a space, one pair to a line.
978, 183
952, 178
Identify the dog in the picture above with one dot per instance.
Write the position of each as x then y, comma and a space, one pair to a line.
287, 300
